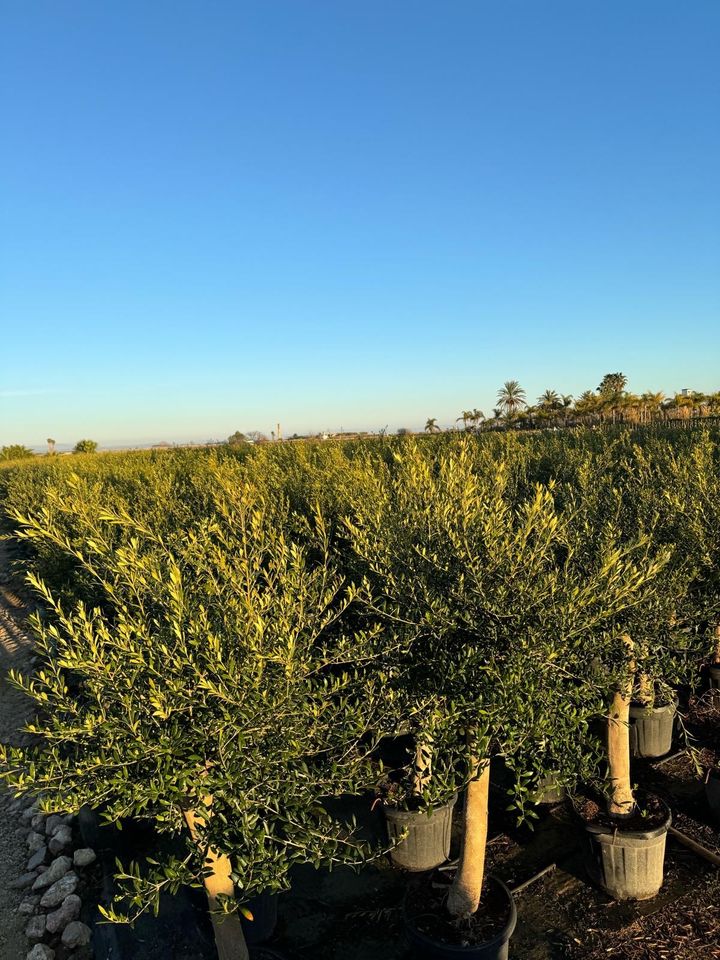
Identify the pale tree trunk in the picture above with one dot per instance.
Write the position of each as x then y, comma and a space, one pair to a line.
646, 691
422, 768
464, 895
646, 688
229, 937
622, 801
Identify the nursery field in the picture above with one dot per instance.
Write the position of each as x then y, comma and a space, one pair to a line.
403, 697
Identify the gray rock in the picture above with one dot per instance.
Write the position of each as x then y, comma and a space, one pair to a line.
57, 869
41, 952
35, 841
29, 905
42, 868
37, 858
27, 814
53, 822
76, 934
61, 839
62, 888
21, 832
38, 822
84, 857
68, 911
26, 880
35, 930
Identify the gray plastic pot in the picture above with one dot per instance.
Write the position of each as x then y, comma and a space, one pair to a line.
427, 841
651, 729
496, 949
549, 790
712, 791
627, 864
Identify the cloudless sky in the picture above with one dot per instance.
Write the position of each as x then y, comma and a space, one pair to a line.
220, 215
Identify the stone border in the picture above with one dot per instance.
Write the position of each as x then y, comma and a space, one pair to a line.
55, 872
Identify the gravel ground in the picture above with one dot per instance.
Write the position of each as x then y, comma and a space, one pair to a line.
15, 651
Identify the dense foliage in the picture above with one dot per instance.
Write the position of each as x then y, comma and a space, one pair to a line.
247, 624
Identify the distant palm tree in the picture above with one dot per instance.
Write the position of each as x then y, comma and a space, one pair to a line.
511, 397
51, 445
465, 416
477, 417
587, 405
550, 398
612, 383
652, 404
431, 425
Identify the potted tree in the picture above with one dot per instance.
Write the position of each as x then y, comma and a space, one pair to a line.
494, 614
222, 691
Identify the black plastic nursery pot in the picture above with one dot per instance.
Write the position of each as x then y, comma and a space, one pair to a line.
427, 948
425, 842
264, 908
712, 791
651, 729
627, 863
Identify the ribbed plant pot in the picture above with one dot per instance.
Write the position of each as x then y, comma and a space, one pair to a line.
426, 948
426, 843
712, 791
264, 908
627, 864
651, 729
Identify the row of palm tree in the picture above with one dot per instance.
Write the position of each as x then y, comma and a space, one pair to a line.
609, 403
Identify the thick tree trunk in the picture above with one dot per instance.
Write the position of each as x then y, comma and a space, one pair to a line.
646, 690
422, 768
622, 801
229, 937
466, 888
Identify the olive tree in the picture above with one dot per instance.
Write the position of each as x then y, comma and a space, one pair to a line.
85, 446
495, 614
220, 689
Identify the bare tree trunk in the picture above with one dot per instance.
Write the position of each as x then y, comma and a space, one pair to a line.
464, 896
646, 687
646, 692
422, 768
622, 801
229, 937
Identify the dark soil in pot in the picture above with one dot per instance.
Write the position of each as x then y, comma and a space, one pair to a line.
650, 813
433, 933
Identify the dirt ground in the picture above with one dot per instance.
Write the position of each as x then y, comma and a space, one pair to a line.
15, 651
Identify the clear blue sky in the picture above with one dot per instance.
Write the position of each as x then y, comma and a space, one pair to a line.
218, 215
